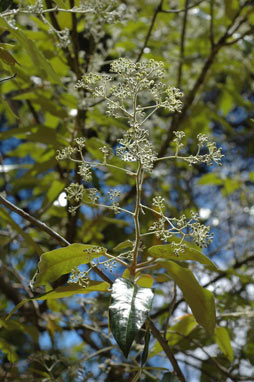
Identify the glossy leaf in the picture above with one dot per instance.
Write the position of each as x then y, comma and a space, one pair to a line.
223, 340
128, 311
200, 300
60, 261
190, 253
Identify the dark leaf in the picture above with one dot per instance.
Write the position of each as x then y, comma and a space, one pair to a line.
128, 311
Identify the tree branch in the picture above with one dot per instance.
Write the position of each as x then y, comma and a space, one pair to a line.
182, 45
167, 350
182, 9
157, 11
42, 226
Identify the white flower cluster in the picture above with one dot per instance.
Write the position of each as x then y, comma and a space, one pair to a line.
136, 147
133, 81
165, 228
213, 155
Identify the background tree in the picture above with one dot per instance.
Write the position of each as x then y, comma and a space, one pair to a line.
207, 51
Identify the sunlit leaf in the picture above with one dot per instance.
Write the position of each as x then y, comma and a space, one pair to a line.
125, 244
60, 261
40, 62
200, 300
128, 311
145, 281
75, 288
190, 253
223, 340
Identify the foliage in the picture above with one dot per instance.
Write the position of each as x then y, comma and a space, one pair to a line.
113, 117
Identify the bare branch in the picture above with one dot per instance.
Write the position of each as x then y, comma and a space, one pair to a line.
157, 11
182, 44
182, 9
167, 350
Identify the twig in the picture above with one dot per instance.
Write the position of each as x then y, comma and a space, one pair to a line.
211, 31
43, 11
8, 78
104, 350
182, 45
201, 78
167, 350
33, 220
157, 11
48, 230
170, 311
182, 9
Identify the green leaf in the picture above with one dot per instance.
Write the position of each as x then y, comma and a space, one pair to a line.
55, 189
200, 300
176, 333
62, 292
190, 253
8, 349
223, 340
41, 65
168, 377
230, 186
231, 7
145, 281
128, 311
60, 261
75, 288
210, 179
125, 244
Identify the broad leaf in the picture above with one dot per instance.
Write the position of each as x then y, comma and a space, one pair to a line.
145, 281
200, 300
75, 288
223, 340
60, 261
64, 291
190, 253
128, 311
